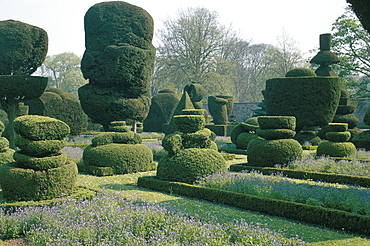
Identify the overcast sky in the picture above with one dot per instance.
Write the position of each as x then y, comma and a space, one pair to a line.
260, 21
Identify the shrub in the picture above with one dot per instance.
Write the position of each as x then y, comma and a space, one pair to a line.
40, 147
277, 151
35, 127
350, 119
336, 149
277, 122
312, 100
23, 48
338, 136
189, 123
300, 72
28, 184
244, 138
116, 137
122, 158
270, 134
250, 125
39, 163
338, 127
189, 164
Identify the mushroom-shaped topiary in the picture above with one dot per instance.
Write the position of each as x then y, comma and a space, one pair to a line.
23, 48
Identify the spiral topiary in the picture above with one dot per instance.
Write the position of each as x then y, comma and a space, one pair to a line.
6, 154
42, 173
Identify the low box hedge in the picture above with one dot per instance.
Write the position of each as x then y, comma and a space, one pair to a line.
330, 218
327, 177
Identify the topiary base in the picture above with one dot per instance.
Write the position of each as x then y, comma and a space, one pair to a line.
26, 184
267, 153
189, 164
336, 149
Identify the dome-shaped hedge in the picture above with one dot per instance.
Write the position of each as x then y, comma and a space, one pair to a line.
300, 72
189, 164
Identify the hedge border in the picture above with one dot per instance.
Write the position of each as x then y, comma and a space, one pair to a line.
330, 218
328, 177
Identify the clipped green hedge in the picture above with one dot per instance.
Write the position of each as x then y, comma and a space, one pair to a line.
27, 184
6, 155
312, 100
244, 138
270, 134
40, 147
277, 122
336, 149
267, 153
116, 137
4, 143
330, 218
300, 72
36, 127
122, 158
351, 119
39, 163
327, 177
189, 123
189, 164
338, 136
338, 127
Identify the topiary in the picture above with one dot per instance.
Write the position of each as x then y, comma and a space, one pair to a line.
122, 158
300, 72
249, 126
267, 153
190, 164
23, 47
276, 122
116, 137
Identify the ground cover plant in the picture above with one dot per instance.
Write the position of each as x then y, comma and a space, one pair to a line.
337, 196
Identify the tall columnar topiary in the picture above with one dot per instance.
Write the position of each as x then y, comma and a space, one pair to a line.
41, 170
162, 107
312, 100
6, 154
118, 61
23, 48
338, 145
117, 153
60, 105
192, 152
276, 145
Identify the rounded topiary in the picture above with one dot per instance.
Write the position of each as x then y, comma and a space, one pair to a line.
277, 122
36, 127
200, 139
350, 119
270, 134
4, 143
343, 136
119, 126
300, 72
338, 127
306, 136
244, 138
267, 153
6, 154
116, 137
39, 148
23, 48
122, 158
189, 123
336, 149
2, 127
190, 164
362, 140
28, 184
249, 126
40, 163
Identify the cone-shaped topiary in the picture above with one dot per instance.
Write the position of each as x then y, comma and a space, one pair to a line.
38, 174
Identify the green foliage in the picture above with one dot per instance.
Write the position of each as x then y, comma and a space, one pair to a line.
277, 122
350, 119
303, 212
14, 86
6, 155
189, 164
244, 138
270, 134
189, 123
267, 153
119, 126
362, 140
300, 72
184, 103
35, 127
104, 105
162, 107
39, 148
122, 158
312, 100
23, 47
336, 149
116, 137
338, 127
23, 160
28, 184
250, 125
2, 127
